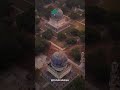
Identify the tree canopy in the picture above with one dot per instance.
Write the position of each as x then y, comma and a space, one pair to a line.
74, 16
71, 41
47, 34
61, 36
75, 52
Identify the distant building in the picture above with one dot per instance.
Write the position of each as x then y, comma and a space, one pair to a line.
58, 21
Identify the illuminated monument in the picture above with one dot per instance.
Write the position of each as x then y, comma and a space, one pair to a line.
58, 21
59, 66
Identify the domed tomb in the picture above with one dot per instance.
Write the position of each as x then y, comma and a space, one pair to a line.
59, 65
59, 61
58, 21
57, 14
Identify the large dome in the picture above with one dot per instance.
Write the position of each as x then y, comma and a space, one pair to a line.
59, 61
57, 13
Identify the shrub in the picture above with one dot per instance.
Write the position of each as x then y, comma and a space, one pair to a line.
47, 34
61, 36
75, 52
71, 41
74, 16
74, 32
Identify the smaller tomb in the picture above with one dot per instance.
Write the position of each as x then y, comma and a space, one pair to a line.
58, 21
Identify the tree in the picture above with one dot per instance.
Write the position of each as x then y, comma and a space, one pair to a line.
74, 16
74, 32
61, 36
47, 34
81, 32
82, 36
75, 53
71, 41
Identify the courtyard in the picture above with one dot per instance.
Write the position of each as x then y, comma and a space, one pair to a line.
79, 25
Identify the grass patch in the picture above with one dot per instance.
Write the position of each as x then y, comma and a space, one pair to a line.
78, 26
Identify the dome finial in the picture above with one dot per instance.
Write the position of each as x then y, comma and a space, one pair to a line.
57, 13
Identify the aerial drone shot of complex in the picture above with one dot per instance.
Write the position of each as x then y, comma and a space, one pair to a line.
59, 45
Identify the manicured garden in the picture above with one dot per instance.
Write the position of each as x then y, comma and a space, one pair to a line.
68, 37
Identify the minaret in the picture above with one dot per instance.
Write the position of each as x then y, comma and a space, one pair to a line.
82, 57
82, 64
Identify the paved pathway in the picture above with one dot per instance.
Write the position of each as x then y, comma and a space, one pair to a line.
81, 23
56, 46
